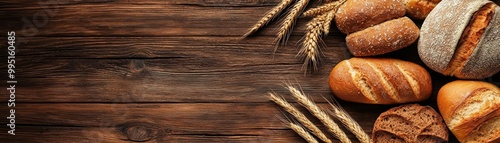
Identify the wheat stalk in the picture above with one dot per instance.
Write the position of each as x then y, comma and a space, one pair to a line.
269, 16
320, 10
287, 24
311, 45
349, 123
299, 116
302, 132
318, 113
331, 15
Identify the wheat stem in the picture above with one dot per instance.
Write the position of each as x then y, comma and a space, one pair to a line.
299, 116
270, 15
350, 123
320, 10
287, 24
318, 113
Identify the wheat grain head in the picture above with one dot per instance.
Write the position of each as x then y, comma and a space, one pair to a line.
288, 22
299, 116
348, 122
270, 15
318, 113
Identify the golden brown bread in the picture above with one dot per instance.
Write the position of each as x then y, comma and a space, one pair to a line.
419, 9
411, 123
356, 15
471, 110
380, 81
461, 38
383, 38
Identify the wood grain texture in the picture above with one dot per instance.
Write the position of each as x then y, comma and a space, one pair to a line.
161, 71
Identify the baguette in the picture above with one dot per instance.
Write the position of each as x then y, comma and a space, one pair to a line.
471, 110
380, 81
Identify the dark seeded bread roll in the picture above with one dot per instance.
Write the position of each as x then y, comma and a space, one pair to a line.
383, 38
471, 110
356, 15
462, 38
410, 123
380, 81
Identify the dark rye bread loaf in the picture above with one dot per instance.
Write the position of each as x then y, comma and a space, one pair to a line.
411, 123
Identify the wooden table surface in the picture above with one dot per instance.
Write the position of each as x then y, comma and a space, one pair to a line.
160, 71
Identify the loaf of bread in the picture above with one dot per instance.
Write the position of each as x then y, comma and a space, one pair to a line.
462, 38
383, 38
375, 27
411, 123
471, 110
380, 81
356, 15
419, 9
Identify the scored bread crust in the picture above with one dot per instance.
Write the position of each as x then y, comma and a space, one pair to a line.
442, 30
380, 81
356, 15
383, 38
485, 61
465, 106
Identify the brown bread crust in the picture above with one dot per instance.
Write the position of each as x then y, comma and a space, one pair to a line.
468, 105
461, 38
380, 81
383, 38
419, 9
409, 123
356, 15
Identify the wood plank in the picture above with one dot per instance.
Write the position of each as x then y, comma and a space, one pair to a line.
130, 19
140, 133
209, 119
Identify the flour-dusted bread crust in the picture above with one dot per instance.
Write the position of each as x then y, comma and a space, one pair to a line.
471, 110
380, 81
356, 15
419, 9
411, 123
447, 29
383, 38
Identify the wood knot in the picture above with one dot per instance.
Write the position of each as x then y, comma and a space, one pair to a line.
137, 69
140, 132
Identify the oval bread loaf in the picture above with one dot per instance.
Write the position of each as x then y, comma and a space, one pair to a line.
383, 38
419, 9
411, 123
380, 81
471, 110
462, 38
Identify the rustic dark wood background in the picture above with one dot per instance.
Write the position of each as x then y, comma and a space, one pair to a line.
160, 71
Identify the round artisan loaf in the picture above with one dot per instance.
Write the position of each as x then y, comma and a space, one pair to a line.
411, 123
419, 9
383, 38
462, 38
380, 81
471, 110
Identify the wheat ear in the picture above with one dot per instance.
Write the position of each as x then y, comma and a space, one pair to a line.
270, 15
311, 42
302, 132
299, 116
331, 15
318, 113
349, 123
320, 10
287, 24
